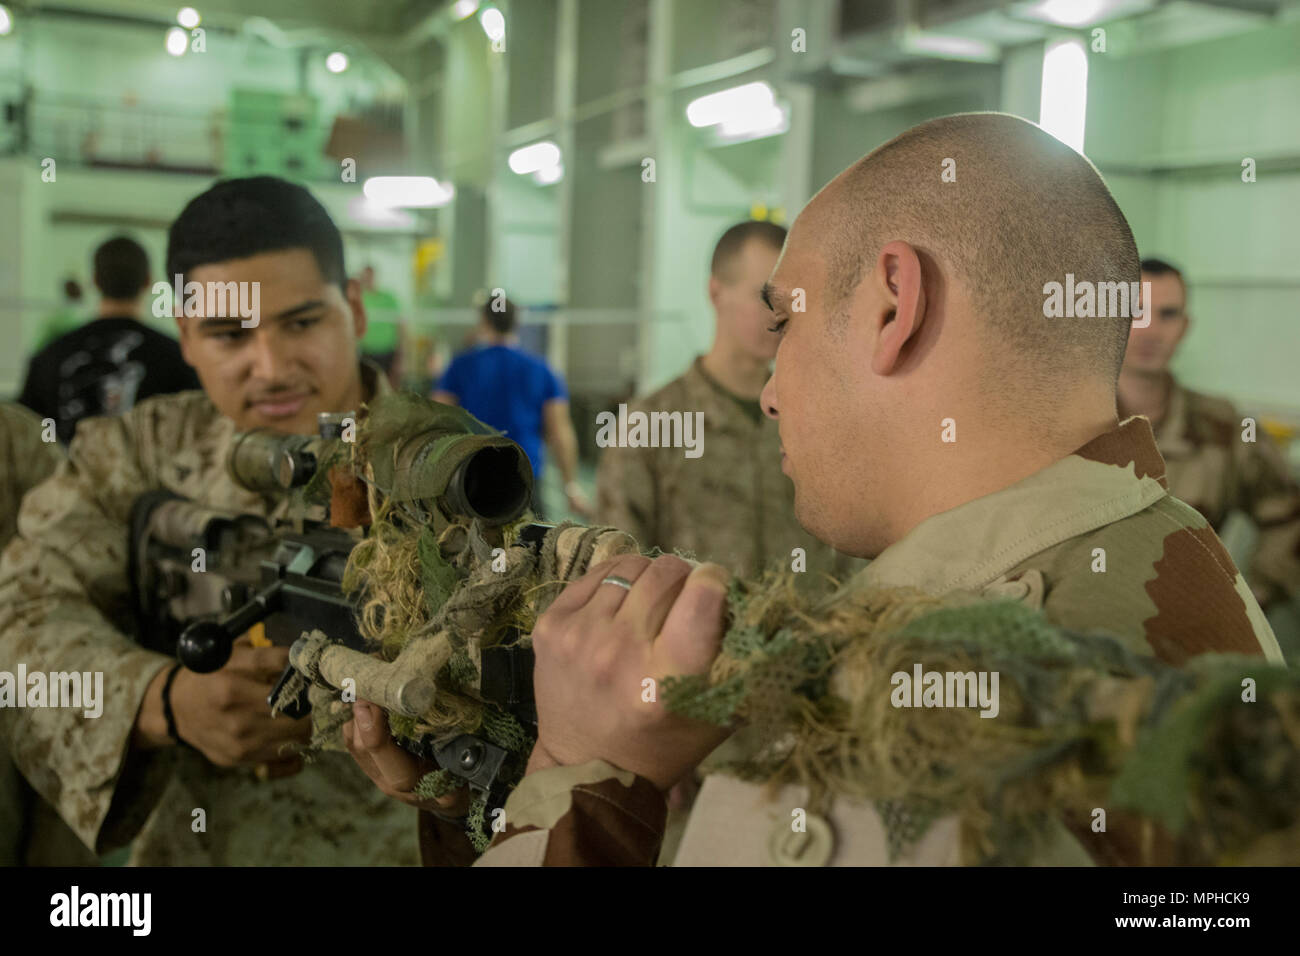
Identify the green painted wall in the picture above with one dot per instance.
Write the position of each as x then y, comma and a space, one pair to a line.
1190, 115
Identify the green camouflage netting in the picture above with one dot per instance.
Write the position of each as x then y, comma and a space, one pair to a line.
1082, 723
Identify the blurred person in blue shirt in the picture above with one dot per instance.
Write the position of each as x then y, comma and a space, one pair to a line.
519, 394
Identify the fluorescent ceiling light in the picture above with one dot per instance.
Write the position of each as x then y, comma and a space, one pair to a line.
463, 9
769, 122
494, 23
336, 62
177, 41
1071, 13
529, 159
409, 192
1063, 108
954, 48
369, 213
187, 17
549, 175
733, 105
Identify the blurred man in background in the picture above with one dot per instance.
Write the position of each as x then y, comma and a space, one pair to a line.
169, 740
731, 505
1210, 463
106, 366
519, 394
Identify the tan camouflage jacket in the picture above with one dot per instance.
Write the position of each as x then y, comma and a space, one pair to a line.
1215, 472
731, 505
64, 605
1169, 589
27, 462
30, 831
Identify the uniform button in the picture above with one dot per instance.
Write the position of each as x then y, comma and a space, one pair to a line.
813, 847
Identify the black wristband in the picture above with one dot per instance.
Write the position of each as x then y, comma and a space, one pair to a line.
168, 715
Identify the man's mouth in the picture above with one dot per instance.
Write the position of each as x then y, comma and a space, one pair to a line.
283, 405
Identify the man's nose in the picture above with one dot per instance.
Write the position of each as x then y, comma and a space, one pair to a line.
268, 364
767, 398
1140, 330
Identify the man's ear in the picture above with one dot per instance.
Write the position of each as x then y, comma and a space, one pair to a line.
901, 310
183, 331
359, 321
715, 291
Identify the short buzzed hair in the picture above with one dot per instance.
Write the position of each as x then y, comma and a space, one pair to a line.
121, 268
1159, 267
1004, 207
240, 218
502, 320
735, 238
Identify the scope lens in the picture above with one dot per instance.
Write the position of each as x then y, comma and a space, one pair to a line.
492, 485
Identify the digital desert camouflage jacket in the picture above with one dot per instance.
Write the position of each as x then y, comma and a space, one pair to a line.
731, 505
1169, 589
30, 831
1215, 471
65, 605
27, 458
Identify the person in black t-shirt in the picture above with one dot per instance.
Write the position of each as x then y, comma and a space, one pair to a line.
111, 362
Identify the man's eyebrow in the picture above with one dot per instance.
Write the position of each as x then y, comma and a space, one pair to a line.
301, 308
287, 315
206, 324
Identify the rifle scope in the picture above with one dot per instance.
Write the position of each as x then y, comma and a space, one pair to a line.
449, 462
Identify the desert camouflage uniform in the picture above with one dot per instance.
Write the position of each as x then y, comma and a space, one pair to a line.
30, 831
1215, 472
27, 462
65, 605
732, 505
1169, 589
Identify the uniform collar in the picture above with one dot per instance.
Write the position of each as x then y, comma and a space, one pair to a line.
1117, 474
718, 402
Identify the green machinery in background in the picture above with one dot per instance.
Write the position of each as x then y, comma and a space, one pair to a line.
277, 134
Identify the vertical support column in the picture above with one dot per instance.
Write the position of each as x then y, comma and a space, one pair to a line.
1022, 80
566, 93
815, 19
499, 71
658, 102
25, 212
797, 151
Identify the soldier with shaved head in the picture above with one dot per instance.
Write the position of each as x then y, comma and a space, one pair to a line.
938, 417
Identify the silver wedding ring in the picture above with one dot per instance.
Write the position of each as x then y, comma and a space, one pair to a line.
621, 582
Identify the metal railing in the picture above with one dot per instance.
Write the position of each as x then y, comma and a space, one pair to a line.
90, 131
